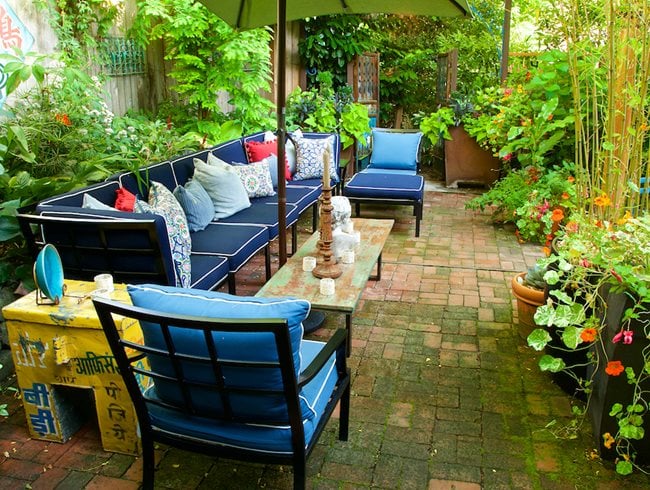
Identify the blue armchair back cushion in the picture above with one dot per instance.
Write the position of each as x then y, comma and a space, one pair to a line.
250, 347
393, 150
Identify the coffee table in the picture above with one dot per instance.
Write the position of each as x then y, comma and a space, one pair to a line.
291, 280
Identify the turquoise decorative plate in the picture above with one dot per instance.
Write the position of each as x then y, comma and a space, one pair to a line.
48, 273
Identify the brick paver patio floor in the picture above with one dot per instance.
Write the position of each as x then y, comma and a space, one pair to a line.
445, 393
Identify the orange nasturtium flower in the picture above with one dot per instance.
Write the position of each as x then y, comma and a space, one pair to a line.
572, 227
608, 440
565, 195
588, 334
614, 368
63, 119
626, 217
571, 178
602, 201
557, 216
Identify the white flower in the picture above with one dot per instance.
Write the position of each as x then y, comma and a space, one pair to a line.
109, 130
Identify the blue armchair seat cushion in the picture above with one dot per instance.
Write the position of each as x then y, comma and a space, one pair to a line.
242, 346
263, 438
234, 241
384, 186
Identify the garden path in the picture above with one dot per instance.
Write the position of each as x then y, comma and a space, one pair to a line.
445, 393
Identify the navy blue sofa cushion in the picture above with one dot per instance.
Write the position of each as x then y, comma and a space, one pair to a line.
236, 242
265, 214
208, 270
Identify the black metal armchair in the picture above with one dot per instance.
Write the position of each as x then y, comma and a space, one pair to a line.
200, 384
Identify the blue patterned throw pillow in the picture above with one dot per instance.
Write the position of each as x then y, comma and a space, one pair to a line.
309, 158
163, 202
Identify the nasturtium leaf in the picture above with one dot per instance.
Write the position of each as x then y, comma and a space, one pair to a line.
616, 409
571, 337
551, 277
544, 315
624, 467
631, 432
550, 363
538, 339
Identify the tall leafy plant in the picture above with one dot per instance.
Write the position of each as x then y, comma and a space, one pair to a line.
330, 43
209, 58
324, 109
610, 79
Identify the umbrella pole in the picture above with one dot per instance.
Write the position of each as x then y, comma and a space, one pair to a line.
281, 36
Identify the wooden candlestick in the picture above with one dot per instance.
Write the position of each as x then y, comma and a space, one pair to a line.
326, 266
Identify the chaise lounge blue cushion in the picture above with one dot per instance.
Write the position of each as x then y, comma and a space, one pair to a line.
382, 185
243, 346
267, 438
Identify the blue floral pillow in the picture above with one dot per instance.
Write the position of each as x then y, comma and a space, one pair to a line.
163, 202
309, 158
256, 178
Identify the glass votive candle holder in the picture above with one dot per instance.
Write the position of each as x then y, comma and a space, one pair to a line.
104, 281
327, 286
308, 263
347, 257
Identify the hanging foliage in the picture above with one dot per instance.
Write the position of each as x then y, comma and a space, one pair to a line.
209, 59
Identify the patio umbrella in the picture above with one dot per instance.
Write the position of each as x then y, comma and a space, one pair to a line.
249, 14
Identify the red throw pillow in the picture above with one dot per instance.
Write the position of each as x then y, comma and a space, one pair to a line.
125, 200
259, 150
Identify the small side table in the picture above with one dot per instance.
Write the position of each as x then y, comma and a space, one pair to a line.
59, 347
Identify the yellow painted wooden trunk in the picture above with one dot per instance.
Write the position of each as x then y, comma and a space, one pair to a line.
56, 347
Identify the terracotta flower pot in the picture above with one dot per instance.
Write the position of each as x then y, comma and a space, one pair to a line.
528, 299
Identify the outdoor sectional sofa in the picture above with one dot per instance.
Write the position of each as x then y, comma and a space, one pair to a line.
135, 247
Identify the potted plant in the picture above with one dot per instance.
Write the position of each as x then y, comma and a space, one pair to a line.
600, 314
528, 288
603, 266
465, 160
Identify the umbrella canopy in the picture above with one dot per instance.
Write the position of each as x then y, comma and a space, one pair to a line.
249, 14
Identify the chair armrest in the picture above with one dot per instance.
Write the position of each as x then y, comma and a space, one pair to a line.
336, 344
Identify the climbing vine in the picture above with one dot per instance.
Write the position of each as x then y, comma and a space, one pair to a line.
79, 24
